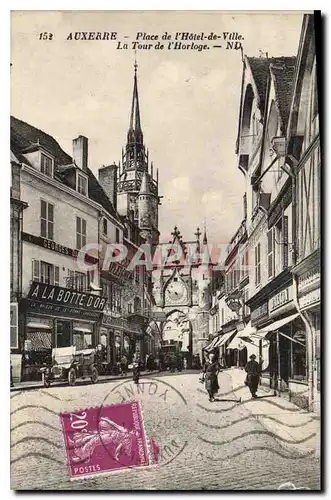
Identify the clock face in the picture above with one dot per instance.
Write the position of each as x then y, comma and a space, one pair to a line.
176, 291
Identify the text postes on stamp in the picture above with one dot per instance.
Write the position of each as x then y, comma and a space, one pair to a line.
107, 439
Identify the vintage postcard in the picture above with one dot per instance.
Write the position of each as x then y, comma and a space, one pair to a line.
165, 210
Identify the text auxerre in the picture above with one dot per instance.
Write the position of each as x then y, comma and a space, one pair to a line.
59, 295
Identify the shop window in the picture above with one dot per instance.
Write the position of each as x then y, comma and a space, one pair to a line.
258, 264
63, 334
46, 220
318, 349
46, 165
13, 326
80, 233
299, 356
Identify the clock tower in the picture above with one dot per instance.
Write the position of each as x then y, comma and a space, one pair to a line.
137, 189
182, 288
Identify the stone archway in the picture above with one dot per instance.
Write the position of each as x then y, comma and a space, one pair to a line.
177, 329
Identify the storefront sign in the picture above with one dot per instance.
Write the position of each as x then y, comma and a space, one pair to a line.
119, 271
309, 279
109, 320
259, 312
310, 299
55, 247
59, 296
61, 311
280, 299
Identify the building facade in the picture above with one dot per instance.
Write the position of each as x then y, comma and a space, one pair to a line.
304, 157
17, 205
276, 297
65, 288
60, 304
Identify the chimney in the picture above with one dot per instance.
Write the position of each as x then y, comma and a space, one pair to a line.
108, 180
80, 152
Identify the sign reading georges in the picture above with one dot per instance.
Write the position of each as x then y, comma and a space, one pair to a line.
42, 292
156, 398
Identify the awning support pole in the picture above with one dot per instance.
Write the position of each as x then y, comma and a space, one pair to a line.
278, 359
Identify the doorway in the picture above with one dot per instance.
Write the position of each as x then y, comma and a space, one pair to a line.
63, 333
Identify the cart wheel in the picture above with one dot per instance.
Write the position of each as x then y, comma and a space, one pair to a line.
94, 375
72, 376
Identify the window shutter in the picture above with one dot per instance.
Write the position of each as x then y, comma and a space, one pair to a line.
271, 261
35, 270
56, 275
285, 241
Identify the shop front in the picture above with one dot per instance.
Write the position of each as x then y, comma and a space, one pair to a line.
308, 282
56, 317
282, 345
111, 340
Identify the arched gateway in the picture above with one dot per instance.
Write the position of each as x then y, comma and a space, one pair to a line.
181, 292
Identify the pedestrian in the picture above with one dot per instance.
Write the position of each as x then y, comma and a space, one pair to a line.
124, 364
136, 367
161, 362
11, 375
211, 370
253, 371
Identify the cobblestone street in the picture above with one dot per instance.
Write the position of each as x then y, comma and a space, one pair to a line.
204, 445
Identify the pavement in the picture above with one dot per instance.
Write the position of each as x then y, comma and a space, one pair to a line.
38, 384
225, 445
295, 428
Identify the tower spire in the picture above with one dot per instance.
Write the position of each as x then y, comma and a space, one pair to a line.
204, 233
135, 133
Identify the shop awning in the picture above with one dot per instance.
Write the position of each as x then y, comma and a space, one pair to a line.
83, 330
225, 338
211, 345
38, 326
237, 342
274, 326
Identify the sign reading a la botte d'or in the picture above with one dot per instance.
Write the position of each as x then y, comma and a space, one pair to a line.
60, 296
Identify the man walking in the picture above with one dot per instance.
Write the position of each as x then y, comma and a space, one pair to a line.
253, 371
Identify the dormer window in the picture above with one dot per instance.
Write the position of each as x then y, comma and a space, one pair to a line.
46, 165
82, 184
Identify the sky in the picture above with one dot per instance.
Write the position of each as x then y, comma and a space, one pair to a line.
189, 100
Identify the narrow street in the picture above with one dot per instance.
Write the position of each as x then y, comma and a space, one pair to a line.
221, 445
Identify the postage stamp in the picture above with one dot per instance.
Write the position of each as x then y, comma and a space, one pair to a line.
106, 439
167, 431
